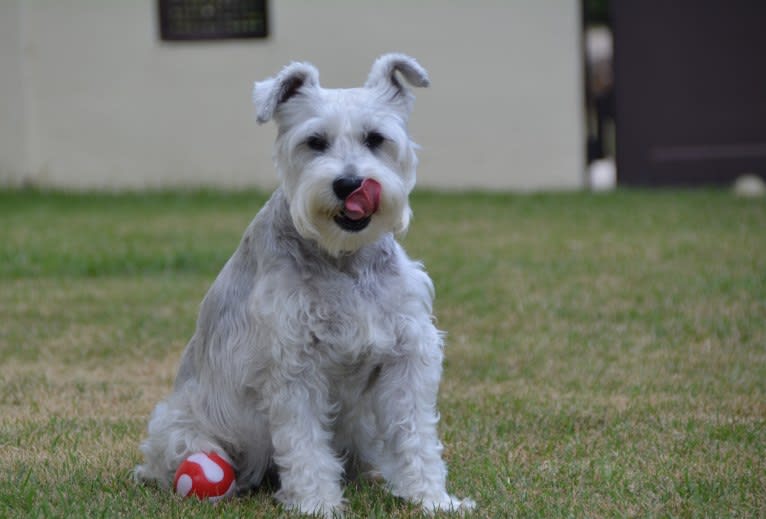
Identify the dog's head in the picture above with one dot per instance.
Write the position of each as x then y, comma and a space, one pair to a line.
344, 156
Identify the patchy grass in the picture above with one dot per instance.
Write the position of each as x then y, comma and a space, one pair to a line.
606, 354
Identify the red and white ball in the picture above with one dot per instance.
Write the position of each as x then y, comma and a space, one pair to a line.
205, 475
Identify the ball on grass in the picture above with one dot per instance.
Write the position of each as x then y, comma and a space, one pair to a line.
205, 475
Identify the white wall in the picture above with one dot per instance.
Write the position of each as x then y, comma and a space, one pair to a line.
96, 100
12, 103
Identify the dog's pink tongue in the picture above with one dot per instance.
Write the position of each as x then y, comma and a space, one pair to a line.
364, 201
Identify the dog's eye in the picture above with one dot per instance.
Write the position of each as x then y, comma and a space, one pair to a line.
373, 140
317, 143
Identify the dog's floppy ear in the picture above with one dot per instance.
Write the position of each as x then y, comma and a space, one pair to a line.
270, 93
383, 76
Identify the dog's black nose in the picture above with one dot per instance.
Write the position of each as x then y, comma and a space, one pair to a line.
345, 185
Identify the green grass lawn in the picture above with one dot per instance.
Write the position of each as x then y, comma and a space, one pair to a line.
606, 354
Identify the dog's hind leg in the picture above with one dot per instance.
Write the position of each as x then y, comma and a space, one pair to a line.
174, 434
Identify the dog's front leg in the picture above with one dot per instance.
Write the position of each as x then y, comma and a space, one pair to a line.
310, 471
407, 417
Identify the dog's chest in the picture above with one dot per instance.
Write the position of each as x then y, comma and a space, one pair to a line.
343, 313
353, 322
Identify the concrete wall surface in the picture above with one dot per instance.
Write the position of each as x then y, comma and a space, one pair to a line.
13, 111
91, 98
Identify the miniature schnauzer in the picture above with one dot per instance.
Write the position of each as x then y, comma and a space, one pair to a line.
315, 347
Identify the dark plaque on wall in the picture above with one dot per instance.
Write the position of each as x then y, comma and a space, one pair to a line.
212, 19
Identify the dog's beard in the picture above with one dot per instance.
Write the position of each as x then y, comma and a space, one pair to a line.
317, 213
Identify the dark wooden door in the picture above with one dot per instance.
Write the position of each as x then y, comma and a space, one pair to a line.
690, 85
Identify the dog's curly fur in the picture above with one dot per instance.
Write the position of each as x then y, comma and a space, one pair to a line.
315, 347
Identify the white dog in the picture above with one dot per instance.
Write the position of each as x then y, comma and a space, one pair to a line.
315, 346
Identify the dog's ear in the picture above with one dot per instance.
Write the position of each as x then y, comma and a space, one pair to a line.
383, 76
291, 81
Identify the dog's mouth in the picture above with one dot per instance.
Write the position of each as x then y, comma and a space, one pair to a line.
359, 206
351, 225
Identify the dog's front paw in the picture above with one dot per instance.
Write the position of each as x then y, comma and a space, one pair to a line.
313, 509
325, 512
448, 503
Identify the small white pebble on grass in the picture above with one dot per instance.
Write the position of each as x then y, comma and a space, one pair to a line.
751, 186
